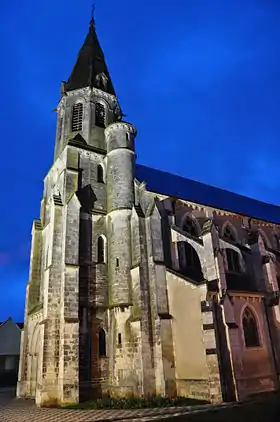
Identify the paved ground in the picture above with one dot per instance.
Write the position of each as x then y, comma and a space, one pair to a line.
18, 410
261, 410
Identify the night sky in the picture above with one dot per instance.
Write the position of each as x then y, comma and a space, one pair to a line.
200, 79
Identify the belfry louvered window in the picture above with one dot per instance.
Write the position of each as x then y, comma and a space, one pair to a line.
77, 117
99, 115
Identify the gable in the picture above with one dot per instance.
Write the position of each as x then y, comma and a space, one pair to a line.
10, 335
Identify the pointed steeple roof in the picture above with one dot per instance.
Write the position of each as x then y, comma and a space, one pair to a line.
90, 68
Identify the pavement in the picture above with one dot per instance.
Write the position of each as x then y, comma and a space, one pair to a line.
22, 410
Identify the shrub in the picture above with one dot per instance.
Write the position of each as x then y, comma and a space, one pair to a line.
136, 403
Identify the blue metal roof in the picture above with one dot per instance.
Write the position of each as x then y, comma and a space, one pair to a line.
178, 187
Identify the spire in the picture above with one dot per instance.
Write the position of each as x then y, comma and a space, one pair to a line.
90, 68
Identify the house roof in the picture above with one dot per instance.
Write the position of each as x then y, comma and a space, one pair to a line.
19, 324
168, 184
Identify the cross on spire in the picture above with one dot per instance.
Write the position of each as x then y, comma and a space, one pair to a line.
93, 10
92, 14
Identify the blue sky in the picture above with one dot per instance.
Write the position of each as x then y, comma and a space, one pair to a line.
199, 78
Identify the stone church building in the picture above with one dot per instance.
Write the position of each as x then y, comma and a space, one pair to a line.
142, 282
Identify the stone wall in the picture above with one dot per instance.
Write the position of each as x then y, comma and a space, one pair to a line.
194, 345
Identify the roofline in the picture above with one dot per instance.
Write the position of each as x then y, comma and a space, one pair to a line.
217, 189
10, 319
228, 210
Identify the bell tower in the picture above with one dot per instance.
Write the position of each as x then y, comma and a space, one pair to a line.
65, 343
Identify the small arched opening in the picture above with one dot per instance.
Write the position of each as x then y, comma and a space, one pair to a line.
102, 342
100, 174
100, 250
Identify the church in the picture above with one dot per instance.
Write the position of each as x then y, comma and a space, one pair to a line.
142, 282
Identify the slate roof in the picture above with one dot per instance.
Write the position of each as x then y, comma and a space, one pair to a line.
168, 184
90, 63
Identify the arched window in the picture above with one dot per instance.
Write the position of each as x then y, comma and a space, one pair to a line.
250, 329
233, 260
102, 342
100, 174
189, 227
99, 115
77, 117
192, 263
100, 250
228, 234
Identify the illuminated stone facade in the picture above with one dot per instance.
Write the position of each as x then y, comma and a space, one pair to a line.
139, 292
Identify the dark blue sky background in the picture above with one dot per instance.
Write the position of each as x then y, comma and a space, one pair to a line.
199, 78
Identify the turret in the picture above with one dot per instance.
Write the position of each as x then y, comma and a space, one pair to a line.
119, 138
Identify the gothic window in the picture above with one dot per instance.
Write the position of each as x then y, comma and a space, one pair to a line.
189, 227
99, 115
228, 234
100, 250
100, 174
102, 342
233, 260
250, 329
77, 117
192, 263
